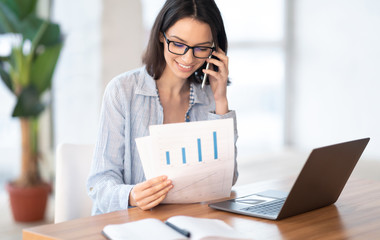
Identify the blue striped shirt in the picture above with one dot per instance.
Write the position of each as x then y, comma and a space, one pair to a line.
130, 105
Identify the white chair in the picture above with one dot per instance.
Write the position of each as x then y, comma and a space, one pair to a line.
72, 169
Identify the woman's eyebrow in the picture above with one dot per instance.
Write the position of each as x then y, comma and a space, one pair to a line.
184, 41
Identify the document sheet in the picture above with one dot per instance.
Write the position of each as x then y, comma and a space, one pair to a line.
197, 156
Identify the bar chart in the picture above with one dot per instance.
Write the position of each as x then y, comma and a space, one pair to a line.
197, 156
198, 150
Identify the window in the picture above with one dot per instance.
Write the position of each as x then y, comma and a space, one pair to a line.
256, 33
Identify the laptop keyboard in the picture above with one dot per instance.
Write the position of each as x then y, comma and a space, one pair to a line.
269, 208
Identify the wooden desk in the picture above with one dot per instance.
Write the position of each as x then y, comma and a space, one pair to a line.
356, 215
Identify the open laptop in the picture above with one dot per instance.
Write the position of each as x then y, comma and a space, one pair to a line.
319, 184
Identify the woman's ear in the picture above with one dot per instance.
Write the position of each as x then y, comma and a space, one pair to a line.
162, 38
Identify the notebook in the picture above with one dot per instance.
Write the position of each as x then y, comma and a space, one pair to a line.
151, 228
319, 184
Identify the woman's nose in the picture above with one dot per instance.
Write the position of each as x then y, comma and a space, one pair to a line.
188, 56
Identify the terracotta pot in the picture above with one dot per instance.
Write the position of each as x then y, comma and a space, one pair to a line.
28, 203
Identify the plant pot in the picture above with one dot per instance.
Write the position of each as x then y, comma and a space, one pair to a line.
28, 203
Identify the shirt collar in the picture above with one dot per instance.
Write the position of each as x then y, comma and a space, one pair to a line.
146, 85
200, 95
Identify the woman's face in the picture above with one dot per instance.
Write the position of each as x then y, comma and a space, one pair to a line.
192, 33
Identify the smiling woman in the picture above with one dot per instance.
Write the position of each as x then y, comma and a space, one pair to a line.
187, 35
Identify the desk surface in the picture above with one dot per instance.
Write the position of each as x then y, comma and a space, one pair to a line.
355, 215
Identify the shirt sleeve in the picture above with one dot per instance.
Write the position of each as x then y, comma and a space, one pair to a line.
105, 185
230, 114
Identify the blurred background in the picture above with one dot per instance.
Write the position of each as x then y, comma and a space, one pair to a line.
305, 73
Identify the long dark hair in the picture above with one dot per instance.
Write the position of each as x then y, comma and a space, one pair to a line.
173, 10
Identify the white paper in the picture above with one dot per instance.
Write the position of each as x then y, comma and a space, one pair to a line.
144, 147
137, 230
199, 228
197, 156
206, 228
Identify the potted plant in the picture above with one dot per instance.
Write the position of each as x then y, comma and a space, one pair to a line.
27, 72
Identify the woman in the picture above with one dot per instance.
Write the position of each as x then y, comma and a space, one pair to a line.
167, 90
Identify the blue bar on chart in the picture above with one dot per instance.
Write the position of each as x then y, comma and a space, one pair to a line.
199, 145
199, 150
215, 146
167, 158
183, 155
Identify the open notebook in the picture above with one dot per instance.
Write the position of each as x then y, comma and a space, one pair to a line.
151, 228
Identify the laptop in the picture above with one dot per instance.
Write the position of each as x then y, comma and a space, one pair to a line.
319, 184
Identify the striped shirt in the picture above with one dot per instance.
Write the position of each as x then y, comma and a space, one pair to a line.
130, 105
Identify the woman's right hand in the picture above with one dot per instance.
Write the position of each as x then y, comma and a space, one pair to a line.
150, 193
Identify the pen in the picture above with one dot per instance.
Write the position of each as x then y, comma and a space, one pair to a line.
180, 230
205, 75
207, 66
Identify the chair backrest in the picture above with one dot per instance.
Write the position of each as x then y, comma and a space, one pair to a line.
72, 169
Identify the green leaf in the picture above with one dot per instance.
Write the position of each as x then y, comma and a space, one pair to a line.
32, 24
5, 77
21, 8
52, 35
12, 5
43, 68
19, 16
9, 21
19, 69
25, 7
28, 103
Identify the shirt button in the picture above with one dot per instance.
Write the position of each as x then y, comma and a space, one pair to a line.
187, 117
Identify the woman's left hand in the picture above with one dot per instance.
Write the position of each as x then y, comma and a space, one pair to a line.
218, 80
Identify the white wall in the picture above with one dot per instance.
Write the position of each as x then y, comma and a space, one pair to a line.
77, 82
103, 38
336, 73
122, 37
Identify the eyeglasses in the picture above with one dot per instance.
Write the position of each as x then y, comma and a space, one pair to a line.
181, 49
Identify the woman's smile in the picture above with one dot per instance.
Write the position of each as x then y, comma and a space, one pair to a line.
184, 68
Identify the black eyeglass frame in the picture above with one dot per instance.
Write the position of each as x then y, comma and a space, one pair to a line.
212, 49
